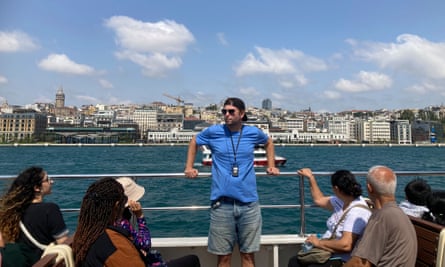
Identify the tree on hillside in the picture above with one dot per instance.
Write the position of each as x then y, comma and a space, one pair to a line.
407, 115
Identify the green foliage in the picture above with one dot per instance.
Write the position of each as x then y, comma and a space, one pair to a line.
407, 115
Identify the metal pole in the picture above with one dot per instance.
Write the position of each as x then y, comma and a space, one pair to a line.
302, 217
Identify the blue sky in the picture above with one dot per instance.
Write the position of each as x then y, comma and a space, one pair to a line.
327, 55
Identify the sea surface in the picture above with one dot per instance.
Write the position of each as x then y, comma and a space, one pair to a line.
165, 192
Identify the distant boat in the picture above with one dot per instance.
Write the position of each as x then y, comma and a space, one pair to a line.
260, 159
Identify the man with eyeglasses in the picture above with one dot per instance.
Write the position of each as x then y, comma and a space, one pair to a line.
235, 215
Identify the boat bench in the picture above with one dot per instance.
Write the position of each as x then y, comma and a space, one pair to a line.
49, 260
430, 243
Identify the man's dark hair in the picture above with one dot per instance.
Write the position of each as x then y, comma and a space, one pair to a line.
236, 102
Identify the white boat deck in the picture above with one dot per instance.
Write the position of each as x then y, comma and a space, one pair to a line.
275, 250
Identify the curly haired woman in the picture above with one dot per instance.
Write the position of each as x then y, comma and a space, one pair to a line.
24, 202
97, 242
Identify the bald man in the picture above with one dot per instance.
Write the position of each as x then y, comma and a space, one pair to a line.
389, 238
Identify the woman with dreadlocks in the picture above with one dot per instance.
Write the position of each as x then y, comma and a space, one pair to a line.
24, 202
97, 242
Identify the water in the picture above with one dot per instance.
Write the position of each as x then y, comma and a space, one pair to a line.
183, 192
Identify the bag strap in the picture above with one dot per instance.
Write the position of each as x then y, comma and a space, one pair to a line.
343, 216
31, 238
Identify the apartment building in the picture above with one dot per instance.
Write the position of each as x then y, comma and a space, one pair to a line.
22, 125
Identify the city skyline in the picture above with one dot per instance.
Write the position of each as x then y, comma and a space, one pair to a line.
59, 101
329, 56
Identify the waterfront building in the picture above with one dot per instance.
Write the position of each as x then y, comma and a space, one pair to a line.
380, 132
173, 136
310, 125
211, 116
427, 132
372, 131
294, 123
339, 125
279, 137
279, 123
169, 121
353, 130
22, 125
191, 122
145, 119
90, 135
401, 132
104, 118
319, 137
262, 124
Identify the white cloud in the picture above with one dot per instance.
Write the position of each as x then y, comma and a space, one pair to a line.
279, 96
424, 88
87, 99
153, 65
410, 54
286, 83
288, 67
116, 100
364, 81
3, 79
331, 94
297, 80
156, 47
248, 91
105, 84
222, 38
278, 62
61, 63
16, 41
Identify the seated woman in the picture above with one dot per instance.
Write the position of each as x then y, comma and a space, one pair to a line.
347, 197
97, 242
24, 202
140, 232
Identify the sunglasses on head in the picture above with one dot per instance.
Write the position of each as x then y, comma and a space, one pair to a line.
231, 111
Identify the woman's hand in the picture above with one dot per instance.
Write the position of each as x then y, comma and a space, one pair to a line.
136, 208
314, 240
306, 172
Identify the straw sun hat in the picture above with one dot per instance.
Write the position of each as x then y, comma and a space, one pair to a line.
132, 190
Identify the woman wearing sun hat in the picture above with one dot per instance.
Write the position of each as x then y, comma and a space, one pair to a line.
134, 192
141, 236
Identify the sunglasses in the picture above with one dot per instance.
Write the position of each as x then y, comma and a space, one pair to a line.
231, 111
48, 179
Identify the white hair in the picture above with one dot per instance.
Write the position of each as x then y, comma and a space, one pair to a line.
382, 179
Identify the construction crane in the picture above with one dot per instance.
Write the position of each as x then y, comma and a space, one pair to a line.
179, 100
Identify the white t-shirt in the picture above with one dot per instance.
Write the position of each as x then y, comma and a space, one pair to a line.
412, 209
355, 220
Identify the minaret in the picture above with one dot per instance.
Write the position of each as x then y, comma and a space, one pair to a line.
60, 98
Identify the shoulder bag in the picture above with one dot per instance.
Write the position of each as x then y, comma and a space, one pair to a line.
63, 251
319, 255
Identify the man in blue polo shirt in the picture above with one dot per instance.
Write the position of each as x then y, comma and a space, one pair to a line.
235, 217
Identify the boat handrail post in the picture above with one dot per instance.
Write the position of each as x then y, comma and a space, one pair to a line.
302, 207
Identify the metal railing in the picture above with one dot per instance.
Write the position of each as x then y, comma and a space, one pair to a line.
302, 206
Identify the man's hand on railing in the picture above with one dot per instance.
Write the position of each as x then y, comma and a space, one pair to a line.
191, 172
273, 171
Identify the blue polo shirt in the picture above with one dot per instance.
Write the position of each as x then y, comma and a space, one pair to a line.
223, 145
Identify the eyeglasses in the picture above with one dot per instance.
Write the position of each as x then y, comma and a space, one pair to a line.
231, 111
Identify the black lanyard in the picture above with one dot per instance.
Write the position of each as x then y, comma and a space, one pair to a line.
237, 144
